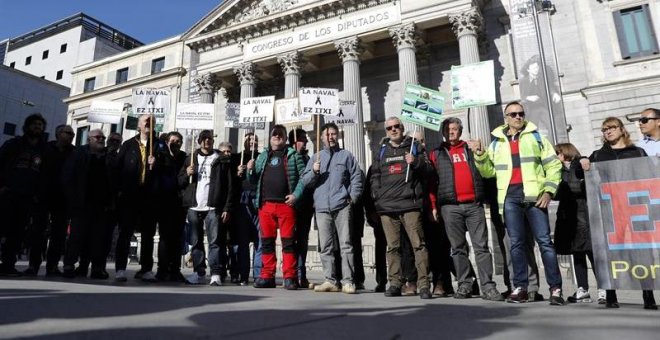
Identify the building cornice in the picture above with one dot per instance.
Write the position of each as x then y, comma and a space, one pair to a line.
225, 31
178, 71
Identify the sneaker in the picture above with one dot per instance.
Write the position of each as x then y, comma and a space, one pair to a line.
556, 298
602, 296
196, 279
120, 276
290, 284
519, 295
149, 277
613, 304
326, 286
492, 294
463, 292
348, 288
409, 289
360, 286
580, 295
30, 271
243, 283
139, 274
264, 283
393, 291
215, 281
425, 294
535, 296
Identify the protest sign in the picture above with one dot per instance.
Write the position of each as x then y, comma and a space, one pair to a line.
256, 110
287, 112
422, 106
473, 85
319, 101
102, 111
195, 116
347, 114
152, 101
232, 118
624, 218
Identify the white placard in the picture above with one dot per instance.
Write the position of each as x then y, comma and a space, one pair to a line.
325, 31
102, 111
347, 113
319, 101
257, 110
195, 116
473, 85
287, 112
149, 100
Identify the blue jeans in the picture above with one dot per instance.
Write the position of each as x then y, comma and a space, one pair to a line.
336, 224
216, 234
515, 212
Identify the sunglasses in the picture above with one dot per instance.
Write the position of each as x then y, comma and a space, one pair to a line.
98, 137
515, 114
645, 120
609, 128
395, 126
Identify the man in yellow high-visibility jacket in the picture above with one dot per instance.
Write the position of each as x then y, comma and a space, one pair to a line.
527, 172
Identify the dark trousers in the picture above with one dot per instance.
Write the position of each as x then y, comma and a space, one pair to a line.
137, 214
243, 230
440, 261
303, 226
171, 218
16, 211
90, 232
59, 222
380, 251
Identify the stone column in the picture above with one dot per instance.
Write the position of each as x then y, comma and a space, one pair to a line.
246, 73
405, 38
206, 85
291, 64
349, 51
467, 26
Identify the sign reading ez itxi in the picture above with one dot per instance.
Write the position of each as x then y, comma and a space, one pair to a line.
324, 31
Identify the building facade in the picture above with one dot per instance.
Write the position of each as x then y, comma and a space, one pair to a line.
605, 59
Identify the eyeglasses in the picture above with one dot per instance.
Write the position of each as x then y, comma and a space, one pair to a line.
391, 127
98, 137
609, 128
515, 114
645, 120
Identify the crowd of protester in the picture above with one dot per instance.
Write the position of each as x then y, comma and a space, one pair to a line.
63, 203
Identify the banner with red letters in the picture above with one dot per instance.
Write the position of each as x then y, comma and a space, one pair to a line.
624, 215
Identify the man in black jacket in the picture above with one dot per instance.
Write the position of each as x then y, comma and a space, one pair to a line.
136, 199
208, 195
171, 216
87, 186
460, 196
398, 191
22, 193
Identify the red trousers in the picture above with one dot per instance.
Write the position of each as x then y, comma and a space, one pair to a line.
271, 216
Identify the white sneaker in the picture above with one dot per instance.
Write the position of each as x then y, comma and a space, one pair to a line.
327, 287
581, 295
149, 277
120, 276
348, 288
602, 296
215, 280
195, 279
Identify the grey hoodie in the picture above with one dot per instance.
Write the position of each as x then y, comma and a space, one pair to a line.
339, 180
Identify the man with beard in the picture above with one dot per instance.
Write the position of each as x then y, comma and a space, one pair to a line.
22, 193
86, 183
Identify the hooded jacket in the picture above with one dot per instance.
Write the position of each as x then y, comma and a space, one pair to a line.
221, 186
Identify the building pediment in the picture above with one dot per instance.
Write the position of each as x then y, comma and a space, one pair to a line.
236, 21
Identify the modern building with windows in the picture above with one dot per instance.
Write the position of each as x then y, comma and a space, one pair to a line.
50, 52
601, 60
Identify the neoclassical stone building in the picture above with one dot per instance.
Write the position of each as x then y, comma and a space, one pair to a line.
369, 50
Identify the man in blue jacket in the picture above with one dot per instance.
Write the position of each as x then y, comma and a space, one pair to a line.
337, 181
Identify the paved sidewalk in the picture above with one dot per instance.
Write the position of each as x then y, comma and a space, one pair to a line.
83, 308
